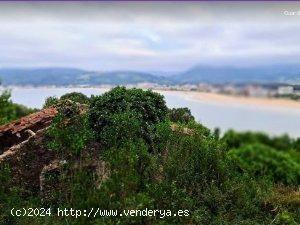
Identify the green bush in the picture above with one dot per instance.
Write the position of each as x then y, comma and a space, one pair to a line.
190, 168
296, 145
147, 107
69, 131
195, 174
261, 160
50, 101
181, 115
12, 196
76, 97
10, 111
190, 172
124, 127
73, 96
285, 218
235, 139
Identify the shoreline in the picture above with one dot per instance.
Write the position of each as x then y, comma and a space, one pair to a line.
217, 98
206, 97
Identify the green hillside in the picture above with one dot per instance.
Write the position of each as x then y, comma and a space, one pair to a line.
125, 150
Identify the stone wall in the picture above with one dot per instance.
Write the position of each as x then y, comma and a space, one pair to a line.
20, 130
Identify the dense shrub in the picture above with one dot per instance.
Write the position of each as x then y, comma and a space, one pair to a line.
189, 168
296, 145
10, 111
285, 218
124, 127
12, 196
50, 101
181, 115
147, 107
73, 96
76, 97
190, 172
195, 174
69, 131
235, 139
261, 160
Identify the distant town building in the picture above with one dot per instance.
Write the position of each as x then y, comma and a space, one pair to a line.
256, 91
285, 90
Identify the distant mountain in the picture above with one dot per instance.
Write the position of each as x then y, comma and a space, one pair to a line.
40, 76
197, 74
70, 76
261, 74
123, 77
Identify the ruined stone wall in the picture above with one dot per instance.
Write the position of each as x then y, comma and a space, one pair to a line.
20, 130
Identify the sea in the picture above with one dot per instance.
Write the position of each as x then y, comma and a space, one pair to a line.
271, 120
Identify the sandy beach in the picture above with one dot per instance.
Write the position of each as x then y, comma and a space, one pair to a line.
273, 116
205, 97
238, 100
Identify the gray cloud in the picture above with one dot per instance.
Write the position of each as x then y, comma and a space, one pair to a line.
147, 36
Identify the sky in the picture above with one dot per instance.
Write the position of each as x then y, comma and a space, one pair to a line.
148, 36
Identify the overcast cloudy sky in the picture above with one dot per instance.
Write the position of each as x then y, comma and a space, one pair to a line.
156, 36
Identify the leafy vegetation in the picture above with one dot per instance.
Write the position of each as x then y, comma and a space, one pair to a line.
69, 130
181, 115
282, 143
147, 107
73, 96
10, 111
261, 160
289, 96
126, 150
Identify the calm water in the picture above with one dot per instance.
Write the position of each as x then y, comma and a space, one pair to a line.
239, 117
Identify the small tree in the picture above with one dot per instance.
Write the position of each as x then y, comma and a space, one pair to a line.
69, 130
261, 160
73, 96
181, 115
76, 97
50, 101
146, 107
11, 111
